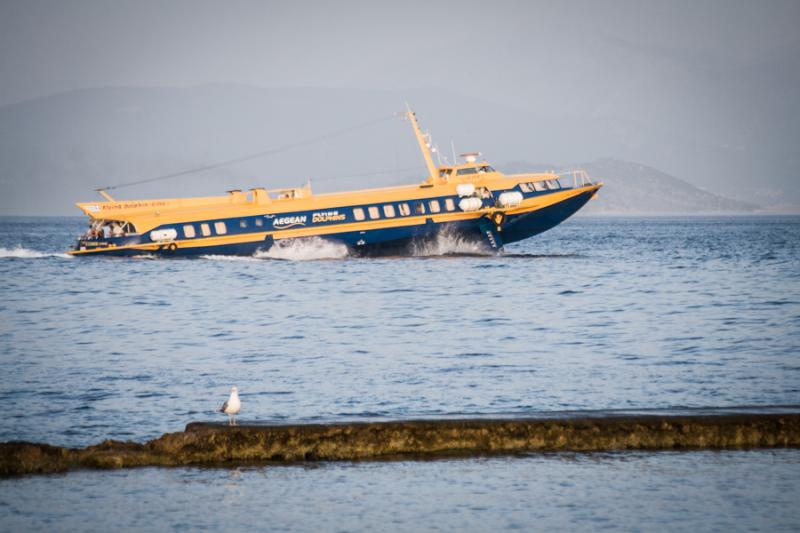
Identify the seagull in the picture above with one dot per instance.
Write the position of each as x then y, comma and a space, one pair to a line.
232, 406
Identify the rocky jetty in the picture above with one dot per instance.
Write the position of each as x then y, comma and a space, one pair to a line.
216, 444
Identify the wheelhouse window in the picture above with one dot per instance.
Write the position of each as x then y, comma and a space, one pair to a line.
525, 187
374, 212
404, 210
243, 223
449, 204
485, 168
538, 186
419, 208
388, 211
358, 213
464, 171
445, 173
220, 228
553, 184
205, 229
188, 231
434, 206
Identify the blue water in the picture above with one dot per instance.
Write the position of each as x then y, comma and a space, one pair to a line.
699, 491
599, 313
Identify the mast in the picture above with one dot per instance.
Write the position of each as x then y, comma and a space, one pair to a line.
105, 195
423, 144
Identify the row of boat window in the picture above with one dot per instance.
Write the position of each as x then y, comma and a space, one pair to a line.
374, 212
220, 228
404, 209
540, 186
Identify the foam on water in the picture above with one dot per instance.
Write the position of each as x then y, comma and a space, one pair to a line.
449, 243
20, 252
304, 249
240, 258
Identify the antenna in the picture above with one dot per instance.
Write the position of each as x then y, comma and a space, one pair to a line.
435, 150
453, 147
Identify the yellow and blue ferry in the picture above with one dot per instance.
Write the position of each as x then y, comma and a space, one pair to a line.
471, 200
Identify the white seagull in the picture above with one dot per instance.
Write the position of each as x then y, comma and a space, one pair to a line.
232, 406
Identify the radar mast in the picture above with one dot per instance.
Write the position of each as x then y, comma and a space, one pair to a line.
424, 144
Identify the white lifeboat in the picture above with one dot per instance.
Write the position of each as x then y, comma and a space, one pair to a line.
509, 199
163, 235
470, 204
465, 189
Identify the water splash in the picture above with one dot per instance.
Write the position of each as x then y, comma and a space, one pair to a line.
305, 249
21, 252
449, 242
214, 257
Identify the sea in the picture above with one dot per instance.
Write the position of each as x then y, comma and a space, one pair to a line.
599, 314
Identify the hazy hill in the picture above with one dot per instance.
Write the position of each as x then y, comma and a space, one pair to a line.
54, 151
633, 188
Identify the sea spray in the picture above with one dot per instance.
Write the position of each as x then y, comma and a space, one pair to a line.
20, 252
448, 242
304, 249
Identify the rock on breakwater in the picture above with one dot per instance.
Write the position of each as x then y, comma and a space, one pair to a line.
216, 444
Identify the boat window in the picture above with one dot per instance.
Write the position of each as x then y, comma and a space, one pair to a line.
259, 222
126, 228
373, 212
388, 210
404, 210
434, 206
358, 213
539, 186
553, 184
449, 204
463, 171
220, 228
243, 223
419, 208
486, 168
188, 231
205, 229
525, 187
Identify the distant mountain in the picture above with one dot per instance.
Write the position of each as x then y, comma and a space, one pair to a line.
55, 151
633, 188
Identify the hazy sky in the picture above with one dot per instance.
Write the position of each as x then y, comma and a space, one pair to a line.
704, 90
488, 49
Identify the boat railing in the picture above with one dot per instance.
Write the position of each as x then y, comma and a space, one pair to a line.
580, 178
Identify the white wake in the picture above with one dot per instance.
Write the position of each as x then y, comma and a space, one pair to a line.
239, 258
26, 253
304, 249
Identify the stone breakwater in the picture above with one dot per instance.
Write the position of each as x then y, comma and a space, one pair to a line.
214, 444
